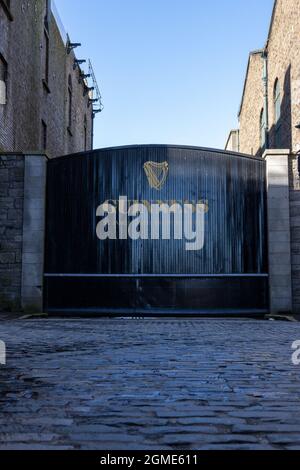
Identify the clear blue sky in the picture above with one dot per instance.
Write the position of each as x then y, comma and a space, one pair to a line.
170, 71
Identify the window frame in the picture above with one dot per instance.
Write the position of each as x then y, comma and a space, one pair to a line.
277, 101
262, 128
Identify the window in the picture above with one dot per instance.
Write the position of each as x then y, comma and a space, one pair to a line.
277, 101
262, 125
277, 113
3, 80
70, 103
44, 136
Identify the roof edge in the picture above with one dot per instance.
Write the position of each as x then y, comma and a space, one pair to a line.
258, 51
230, 134
271, 22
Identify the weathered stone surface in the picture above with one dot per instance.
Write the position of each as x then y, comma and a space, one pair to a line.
6, 258
149, 384
283, 63
11, 225
28, 101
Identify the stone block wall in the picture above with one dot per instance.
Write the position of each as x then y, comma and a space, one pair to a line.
279, 239
29, 99
11, 229
282, 49
33, 232
22, 231
253, 102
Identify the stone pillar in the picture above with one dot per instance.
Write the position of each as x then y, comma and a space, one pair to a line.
279, 231
33, 232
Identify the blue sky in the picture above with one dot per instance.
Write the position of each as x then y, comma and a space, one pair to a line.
170, 71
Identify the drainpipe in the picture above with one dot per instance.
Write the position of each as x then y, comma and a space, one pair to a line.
266, 96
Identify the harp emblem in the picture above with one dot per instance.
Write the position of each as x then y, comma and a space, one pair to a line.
157, 174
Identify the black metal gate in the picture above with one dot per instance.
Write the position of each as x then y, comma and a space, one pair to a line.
105, 253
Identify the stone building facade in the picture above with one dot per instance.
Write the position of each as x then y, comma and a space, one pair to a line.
233, 141
269, 119
46, 108
271, 96
44, 102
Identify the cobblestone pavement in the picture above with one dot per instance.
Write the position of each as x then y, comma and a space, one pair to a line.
149, 384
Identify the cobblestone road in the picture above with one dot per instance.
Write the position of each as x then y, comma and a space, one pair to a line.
149, 384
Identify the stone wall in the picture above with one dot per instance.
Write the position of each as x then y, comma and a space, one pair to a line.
30, 100
22, 231
282, 49
279, 237
11, 229
284, 65
253, 101
233, 142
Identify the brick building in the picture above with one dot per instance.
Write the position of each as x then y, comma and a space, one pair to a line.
269, 121
44, 101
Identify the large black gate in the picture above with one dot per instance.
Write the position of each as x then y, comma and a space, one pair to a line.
156, 230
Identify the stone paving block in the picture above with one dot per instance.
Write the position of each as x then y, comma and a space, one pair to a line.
36, 447
173, 439
25, 437
288, 438
149, 384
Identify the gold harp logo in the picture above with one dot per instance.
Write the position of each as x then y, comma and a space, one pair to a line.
157, 174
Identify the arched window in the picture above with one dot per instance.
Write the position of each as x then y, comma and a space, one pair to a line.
262, 126
277, 101
70, 102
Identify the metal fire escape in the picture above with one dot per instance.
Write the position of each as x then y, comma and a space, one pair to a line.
95, 97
